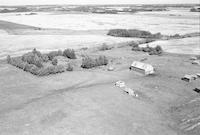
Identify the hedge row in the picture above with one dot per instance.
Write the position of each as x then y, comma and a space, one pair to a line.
88, 62
151, 50
133, 33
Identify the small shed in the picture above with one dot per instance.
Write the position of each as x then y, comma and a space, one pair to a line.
147, 69
189, 78
193, 58
196, 62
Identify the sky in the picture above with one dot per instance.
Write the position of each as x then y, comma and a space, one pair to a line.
42, 2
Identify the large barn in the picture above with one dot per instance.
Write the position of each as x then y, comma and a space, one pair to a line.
147, 69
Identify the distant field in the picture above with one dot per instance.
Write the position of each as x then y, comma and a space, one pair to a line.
10, 25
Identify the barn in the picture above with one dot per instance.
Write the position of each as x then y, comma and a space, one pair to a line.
144, 68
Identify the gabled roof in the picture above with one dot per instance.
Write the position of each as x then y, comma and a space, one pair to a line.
143, 66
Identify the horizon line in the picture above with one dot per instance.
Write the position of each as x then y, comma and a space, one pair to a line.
102, 4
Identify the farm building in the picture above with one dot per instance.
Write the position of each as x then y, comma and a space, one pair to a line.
189, 78
147, 69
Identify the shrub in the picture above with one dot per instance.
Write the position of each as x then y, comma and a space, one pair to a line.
156, 51
105, 47
88, 62
69, 67
59, 69
134, 44
32, 58
54, 61
28, 67
51, 70
148, 40
37, 52
17, 61
44, 71
159, 49
45, 58
69, 53
9, 59
34, 70
37, 61
102, 60
53, 54
152, 51
175, 36
137, 48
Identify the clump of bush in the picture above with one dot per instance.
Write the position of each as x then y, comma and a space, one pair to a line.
137, 43
54, 61
8, 59
70, 68
88, 62
34, 57
33, 62
53, 54
45, 58
51, 70
105, 47
69, 53
18, 62
133, 33
151, 50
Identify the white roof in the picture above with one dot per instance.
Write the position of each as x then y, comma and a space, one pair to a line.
143, 66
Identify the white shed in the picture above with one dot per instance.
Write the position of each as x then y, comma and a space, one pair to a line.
147, 69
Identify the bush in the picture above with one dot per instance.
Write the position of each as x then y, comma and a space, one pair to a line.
152, 51
45, 58
45, 71
69, 67
37, 61
51, 70
134, 44
69, 53
88, 62
28, 67
53, 54
54, 61
102, 60
37, 52
158, 49
34, 70
8, 59
137, 48
105, 47
32, 58
17, 61
59, 69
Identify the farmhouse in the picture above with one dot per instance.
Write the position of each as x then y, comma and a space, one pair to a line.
147, 69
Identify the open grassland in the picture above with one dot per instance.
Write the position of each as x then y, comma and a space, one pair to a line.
86, 100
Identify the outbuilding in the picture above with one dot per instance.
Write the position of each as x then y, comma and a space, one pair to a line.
147, 69
189, 78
